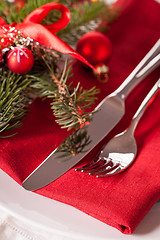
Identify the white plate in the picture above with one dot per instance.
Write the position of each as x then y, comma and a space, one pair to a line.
64, 220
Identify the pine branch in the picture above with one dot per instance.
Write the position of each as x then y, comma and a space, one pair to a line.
74, 143
8, 11
68, 106
68, 103
14, 99
85, 17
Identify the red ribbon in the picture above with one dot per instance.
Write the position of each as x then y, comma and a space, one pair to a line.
44, 34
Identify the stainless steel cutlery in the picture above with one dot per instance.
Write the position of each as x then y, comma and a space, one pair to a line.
120, 152
108, 113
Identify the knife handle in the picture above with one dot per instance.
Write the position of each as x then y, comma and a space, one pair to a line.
150, 62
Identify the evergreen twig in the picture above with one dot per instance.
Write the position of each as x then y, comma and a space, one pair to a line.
85, 17
14, 99
75, 143
68, 103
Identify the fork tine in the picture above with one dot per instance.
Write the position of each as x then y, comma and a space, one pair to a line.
115, 171
105, 171
100, 162
111, 171
88, 165
107, 163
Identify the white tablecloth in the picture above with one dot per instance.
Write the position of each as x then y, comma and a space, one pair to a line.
11, 228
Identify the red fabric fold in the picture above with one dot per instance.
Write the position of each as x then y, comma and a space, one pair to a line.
123, 200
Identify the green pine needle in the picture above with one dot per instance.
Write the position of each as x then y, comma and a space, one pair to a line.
75, 143
85, 17
14, 99
68, 103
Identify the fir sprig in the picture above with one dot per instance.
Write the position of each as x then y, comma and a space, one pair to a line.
68, 103
14, 99
75, 143
85, 17
8, 10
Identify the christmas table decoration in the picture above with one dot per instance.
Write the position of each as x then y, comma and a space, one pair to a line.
120, 201
96, 48
30, 48
19, 60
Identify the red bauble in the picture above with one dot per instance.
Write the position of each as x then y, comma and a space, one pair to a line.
20, 60
95, 47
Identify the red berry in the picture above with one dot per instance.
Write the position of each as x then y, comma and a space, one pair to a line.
20, 60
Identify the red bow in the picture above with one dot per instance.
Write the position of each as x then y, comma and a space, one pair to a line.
44, 34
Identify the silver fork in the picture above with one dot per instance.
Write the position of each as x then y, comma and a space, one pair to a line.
121, 150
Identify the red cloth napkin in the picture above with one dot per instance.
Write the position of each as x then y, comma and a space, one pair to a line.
122, 200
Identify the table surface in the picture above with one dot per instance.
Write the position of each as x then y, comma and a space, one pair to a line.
64, 220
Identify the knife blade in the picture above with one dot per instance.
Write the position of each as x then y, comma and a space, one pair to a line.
108, 113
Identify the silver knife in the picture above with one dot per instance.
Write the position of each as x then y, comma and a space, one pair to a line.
108, 113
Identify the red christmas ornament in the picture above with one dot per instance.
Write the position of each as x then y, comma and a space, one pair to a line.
95, 47
20, 60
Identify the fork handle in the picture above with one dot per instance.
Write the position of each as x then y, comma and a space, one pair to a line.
146, 66
139, 113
